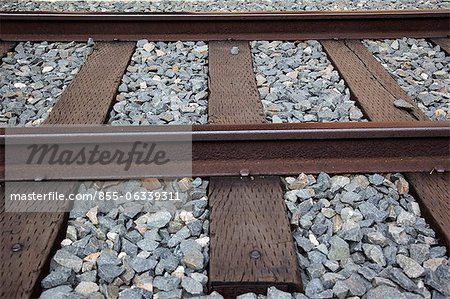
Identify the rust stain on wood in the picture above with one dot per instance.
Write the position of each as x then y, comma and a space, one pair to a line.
28, 241
90, 95
369, 83
432, 193
234, 97
251, 241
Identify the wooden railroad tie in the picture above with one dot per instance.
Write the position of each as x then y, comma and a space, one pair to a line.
252, 247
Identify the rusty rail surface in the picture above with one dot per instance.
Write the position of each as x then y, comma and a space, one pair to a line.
260, 149
224, 26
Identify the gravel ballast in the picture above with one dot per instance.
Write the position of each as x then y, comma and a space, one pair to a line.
134, 249
363, 235
165, 83
207, 5
421, 69
33, 76
297, 83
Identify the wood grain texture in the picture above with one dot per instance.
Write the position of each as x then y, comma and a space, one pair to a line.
432, 191
248, 217
37, 233
234, 97
444, 43
85, 101
6, 47
90, 95
374, 89
369, 83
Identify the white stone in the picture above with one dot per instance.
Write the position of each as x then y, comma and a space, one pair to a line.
92, 215
203, 241
86, 288
148, 47
47, 69
19, 85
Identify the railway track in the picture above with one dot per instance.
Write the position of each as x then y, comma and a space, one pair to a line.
242, 153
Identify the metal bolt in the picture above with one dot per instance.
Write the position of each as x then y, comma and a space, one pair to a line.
244, 172
16, 247
234, 50
255, 254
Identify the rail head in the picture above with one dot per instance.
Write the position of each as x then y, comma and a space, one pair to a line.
57, 26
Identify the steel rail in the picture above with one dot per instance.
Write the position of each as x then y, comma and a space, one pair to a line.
224, 26
263, 149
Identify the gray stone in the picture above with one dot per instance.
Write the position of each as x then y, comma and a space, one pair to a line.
339, 249
378, 281
375, 254
438, 251
71, 233
69, 260
135, 293
376, 238
315, 270
247, 296
195, 228
419, 252
384, 292
367, 273
215, 295
398, 234
57, 277
169, 263
141, 265
179, 236
410, 266
402, 280
439, 279
350, 197
147, 244
108, 257
329, 279
202, 278
340, 289
305, 206
370, 211
108, 272
376, 179
332, 265
88, 276
274, 293
191, 286
405, 218
356, 286
86, 288
402, 104
314, 287
338, 182
159, 219
59, 292
132, 209
129, 248
166, 283
194, 259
